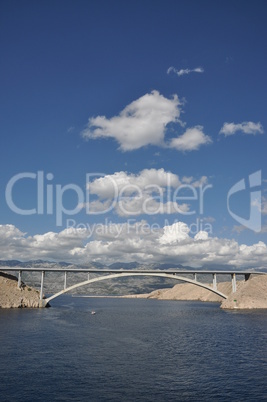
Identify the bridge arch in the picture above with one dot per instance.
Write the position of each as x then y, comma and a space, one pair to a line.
125, 274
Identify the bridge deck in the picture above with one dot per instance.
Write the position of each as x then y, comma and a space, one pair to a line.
144, 271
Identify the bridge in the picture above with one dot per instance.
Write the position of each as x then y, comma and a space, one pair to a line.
105, 274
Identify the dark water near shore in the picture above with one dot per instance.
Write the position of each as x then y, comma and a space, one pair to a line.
132, 350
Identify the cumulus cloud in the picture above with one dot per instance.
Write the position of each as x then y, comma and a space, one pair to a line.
50, 245
126, 242
247, 127
201, 235
151, 191
141, 123
191, 140
185, 71
174, 233
108, 185
144, 122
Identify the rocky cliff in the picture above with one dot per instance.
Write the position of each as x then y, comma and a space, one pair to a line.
249, 295
11, 296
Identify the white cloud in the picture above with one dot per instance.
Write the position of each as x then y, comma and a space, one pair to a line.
127, 242
141, 123
144, 122
247, 127
201, 235
149, 205
108, 185
151, 192
18, 245
175, 233
185, 71
191, 140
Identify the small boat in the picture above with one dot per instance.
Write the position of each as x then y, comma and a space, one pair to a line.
93, 312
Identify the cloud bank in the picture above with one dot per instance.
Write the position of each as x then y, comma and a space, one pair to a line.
132, 242
247, 127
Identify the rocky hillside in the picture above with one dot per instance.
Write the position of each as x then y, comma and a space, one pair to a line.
250, 294
187, 291
11, 296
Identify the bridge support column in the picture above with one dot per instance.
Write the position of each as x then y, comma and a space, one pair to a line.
42, 285
214, 281
19, 280
233, 283
195, 277
65, 280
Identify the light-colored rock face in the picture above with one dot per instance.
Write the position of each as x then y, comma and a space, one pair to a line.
250, 295
13, 297
187, 291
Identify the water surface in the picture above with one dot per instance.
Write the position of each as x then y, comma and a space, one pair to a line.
132, 350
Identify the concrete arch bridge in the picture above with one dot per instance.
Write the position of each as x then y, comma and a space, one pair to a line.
106, 274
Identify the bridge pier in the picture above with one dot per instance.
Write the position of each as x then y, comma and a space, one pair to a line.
19, 280
43, 303
65, 280
214, 281
233, 283
42, 285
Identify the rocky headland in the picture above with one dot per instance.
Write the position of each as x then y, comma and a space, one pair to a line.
250, 294
13, 297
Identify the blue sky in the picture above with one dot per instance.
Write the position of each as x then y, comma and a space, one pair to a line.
142, 92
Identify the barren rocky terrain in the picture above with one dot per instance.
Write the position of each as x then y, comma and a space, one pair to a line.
250, 294
13, 297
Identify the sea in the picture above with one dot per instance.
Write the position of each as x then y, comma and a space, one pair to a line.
132, 350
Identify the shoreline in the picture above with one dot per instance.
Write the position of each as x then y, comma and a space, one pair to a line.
250, 294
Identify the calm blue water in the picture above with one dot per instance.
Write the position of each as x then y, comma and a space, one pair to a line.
132, 350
